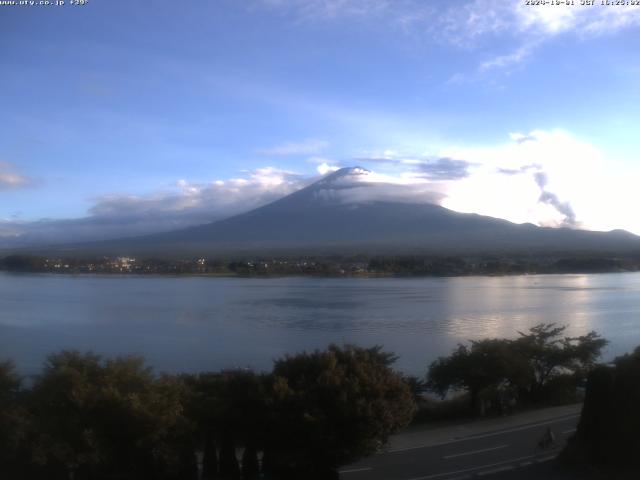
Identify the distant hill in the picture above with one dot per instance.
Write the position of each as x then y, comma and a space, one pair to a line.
332, 216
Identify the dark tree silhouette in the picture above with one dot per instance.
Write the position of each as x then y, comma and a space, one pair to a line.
530, 365
332, 407
14, 421
607, 434
109, 419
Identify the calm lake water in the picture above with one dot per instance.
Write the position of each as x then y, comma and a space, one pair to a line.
199, 323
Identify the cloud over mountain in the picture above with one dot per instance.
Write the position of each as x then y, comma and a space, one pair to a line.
445, 169
529, 178
185, 204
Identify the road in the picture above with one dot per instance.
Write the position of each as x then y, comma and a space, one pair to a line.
483, 451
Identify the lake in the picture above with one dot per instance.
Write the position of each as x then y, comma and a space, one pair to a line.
205, 323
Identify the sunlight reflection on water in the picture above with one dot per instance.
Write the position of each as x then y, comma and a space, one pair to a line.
197, 323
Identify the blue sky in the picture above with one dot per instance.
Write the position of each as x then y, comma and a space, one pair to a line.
126, 117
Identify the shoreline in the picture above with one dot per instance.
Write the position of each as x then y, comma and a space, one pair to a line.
370, 275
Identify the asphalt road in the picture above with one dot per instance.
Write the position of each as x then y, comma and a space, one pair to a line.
474, 456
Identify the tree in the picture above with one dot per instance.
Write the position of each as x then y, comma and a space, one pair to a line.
531, 365
21, 263
607, 434
485, 364
111, 419
229, 408
60, 402
417, 386
203, 407
332, 407
13, 420
549, 355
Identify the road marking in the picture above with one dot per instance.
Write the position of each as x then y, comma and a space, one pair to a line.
484, 435
455, 455
466, 470
571, 430
546, 459
496, 470
354, 470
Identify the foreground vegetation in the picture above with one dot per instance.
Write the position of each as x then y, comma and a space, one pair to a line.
85, 417
607, 437
89, 418
541, 366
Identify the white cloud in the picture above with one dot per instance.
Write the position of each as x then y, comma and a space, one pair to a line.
549, 21
507, 61
10, 177
309, 146
411, 191
359, 185
527, 27
205, 200
465, 22
480, 18
462, 22
613, 19
584, 20
472, 24
419, 166
577, 178
544, 177
325, 168
186, 204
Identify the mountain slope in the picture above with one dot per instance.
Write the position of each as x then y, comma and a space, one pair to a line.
335, 215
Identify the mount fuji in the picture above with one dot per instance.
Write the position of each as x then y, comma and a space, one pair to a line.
345, 212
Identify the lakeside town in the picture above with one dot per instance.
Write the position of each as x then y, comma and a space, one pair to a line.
360, 265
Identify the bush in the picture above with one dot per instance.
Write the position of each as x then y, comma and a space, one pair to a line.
332, 407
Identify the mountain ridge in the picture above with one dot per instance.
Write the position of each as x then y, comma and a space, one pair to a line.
337, 215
